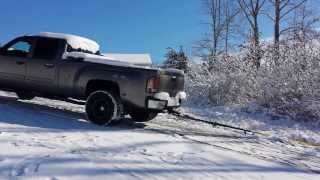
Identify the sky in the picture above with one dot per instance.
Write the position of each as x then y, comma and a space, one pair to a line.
119, 26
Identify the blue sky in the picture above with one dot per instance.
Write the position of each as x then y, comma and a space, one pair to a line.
120, 26
123, 26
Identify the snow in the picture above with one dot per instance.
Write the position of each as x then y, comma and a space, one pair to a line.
47, 139
76, 42
257, 118
104, 60
97, 59
136, 59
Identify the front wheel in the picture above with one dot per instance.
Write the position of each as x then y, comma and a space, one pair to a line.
102, 107
142, 115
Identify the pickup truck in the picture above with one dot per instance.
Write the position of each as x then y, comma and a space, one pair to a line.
61, 66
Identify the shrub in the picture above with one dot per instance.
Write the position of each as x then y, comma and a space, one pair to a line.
290, 87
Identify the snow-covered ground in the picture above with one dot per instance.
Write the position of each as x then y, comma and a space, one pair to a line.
43, 139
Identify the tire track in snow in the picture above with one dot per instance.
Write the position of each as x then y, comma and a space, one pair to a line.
28, 166
258, 146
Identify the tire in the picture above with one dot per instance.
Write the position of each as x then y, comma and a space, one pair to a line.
25, 96
142, 115
103, 107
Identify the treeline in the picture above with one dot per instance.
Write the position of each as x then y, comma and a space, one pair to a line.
236, 25
238, 66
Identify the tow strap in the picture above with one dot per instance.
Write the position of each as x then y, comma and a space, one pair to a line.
213, 123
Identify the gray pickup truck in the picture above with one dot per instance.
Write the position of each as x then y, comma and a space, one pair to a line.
64, 67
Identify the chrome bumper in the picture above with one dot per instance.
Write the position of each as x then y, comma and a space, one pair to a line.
163, 100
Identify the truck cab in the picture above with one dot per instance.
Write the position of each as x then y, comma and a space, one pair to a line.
62, 66
30, 62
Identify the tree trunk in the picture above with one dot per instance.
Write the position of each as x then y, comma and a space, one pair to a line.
256, 42
228, 19
277, 19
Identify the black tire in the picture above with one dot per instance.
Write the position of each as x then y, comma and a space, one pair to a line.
103, 107
142, 115
25, 96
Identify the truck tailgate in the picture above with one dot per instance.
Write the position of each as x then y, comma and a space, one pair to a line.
171, 81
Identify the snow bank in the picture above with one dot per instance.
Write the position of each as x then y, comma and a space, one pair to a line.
257, 118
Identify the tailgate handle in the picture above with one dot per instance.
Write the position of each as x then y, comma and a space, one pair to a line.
49, 65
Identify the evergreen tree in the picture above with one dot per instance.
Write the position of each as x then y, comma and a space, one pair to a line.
176, 59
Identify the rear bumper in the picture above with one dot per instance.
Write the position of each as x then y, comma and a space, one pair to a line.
162, 101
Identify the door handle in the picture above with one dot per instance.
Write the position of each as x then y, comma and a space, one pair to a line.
20, 62
49, 65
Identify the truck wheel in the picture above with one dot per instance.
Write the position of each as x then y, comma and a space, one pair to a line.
142, 116
25, 96
102, 107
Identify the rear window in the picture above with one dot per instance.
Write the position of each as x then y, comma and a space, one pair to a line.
46, 48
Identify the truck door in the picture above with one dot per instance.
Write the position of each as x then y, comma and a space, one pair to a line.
42, 68
13, 59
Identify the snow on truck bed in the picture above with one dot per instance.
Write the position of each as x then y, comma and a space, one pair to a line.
78, 42
136, 59
45, 139
123, 60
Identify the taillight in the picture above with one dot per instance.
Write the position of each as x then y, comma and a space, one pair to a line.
153, 84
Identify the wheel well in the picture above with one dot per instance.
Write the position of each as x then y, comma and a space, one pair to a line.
95, 85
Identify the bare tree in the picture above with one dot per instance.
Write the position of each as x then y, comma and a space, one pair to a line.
214, 10
221, 15
252, 9
231, 11
281, 8
304, 23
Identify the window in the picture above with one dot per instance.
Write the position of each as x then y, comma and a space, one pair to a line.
21, 46
19, 49
46, 48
